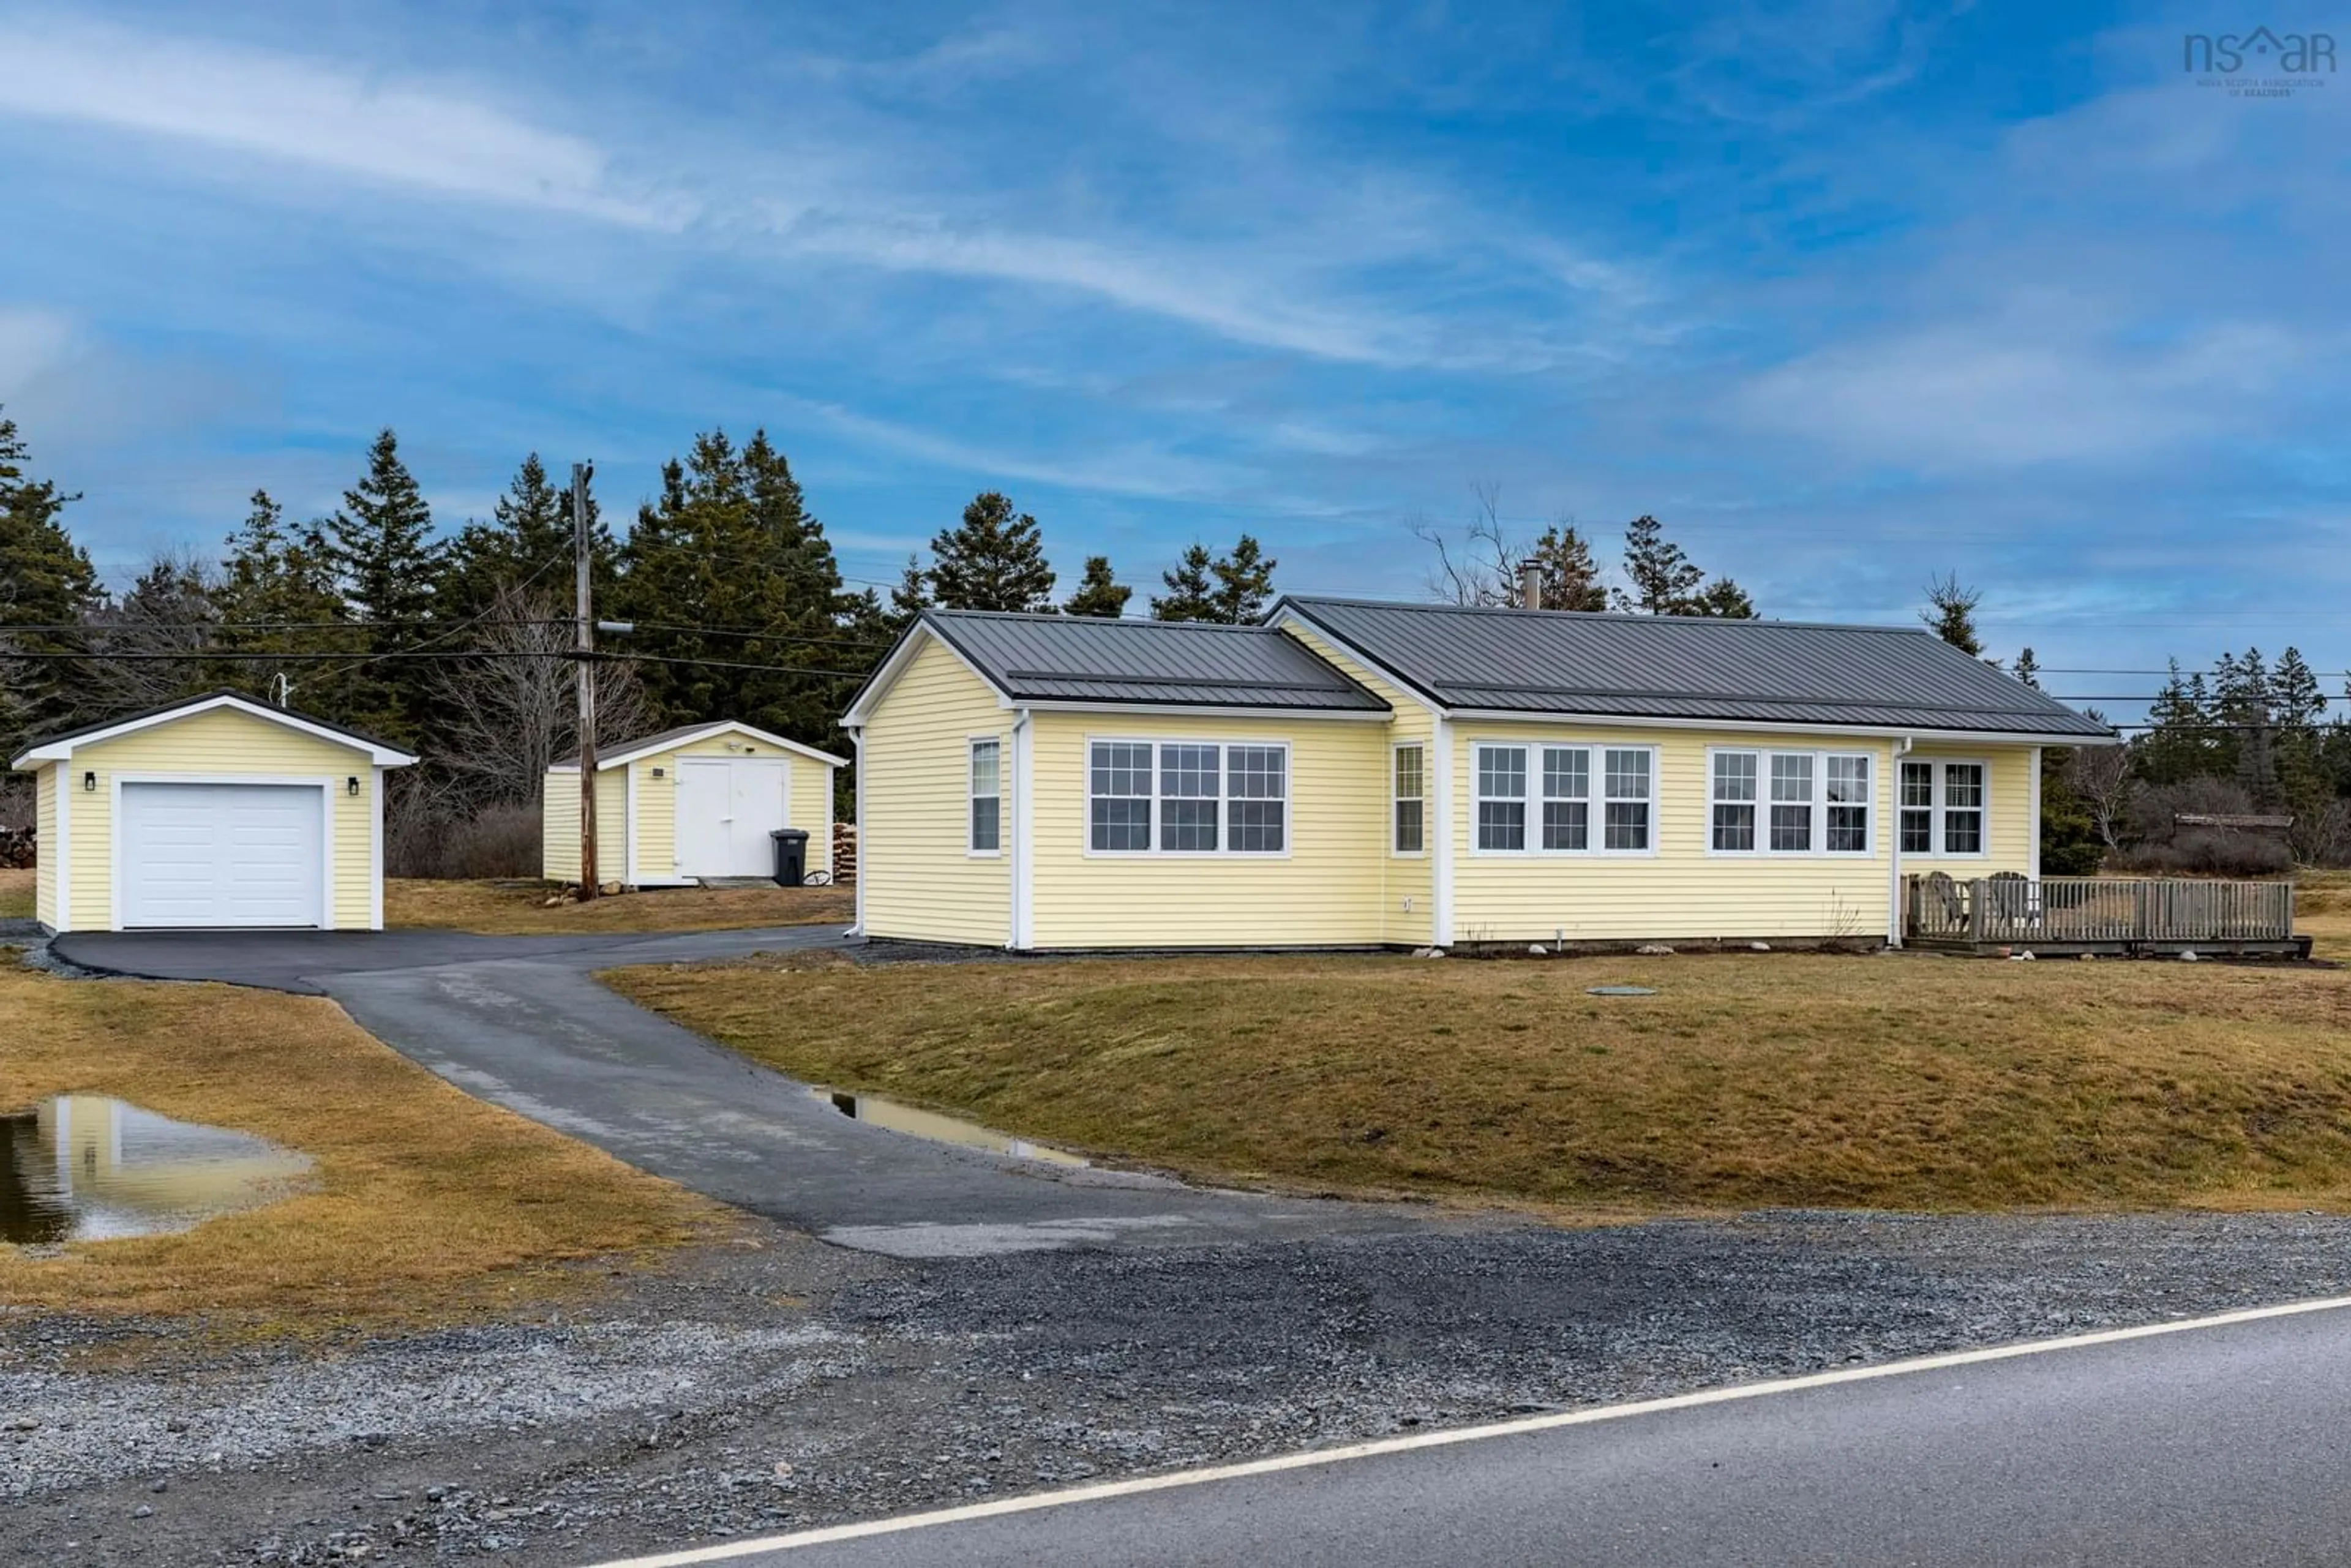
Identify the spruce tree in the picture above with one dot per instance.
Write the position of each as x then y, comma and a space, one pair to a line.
727, 568
912, 594
2027, 669
1663, 578
1244, 582
1951, 613
528, 538
1191, 589
994, 561
1569, 576
47, 582
1722, 599
385, 565
1099, 593
276, 591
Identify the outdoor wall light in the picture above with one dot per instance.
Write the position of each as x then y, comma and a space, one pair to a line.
351, 785
657, 773
89, 783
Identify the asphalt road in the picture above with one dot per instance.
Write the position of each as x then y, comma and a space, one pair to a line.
521, 1021
2219, 1445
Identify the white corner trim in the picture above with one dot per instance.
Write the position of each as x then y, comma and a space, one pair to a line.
2033, 844
857, 745
1440, 870
1892, 788
1024, 832
629, 827
61, 904
375, 850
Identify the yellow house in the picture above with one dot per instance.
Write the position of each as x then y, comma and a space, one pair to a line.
1361, 773
217, 811
693, 804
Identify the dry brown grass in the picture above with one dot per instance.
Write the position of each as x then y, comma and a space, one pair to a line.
1901, 1082
429, 1206
2322, 911
497, 911
16, 894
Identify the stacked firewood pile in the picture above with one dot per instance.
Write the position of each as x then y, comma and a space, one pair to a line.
15, 849
844, 853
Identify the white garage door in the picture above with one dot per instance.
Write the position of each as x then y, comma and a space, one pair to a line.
222, 855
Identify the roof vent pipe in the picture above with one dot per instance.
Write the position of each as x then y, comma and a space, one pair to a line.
1531, 584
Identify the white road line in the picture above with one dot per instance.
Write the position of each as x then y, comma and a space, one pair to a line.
1518, 1429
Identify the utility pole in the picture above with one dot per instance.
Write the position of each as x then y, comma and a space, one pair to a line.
584, 664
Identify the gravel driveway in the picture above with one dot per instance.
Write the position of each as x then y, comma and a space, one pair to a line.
756, 1388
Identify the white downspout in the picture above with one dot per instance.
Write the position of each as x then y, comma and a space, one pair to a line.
1901, 749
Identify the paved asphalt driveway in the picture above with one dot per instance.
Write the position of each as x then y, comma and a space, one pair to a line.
521, 1021
2215, 1444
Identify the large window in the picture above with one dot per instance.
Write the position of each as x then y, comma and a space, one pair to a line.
1943, 808
1818, 802
1186, 798
986, 796
1411, 801
1559, 790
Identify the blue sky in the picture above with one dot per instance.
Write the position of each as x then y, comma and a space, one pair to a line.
1849, 295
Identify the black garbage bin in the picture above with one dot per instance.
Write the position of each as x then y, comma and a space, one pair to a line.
791, 856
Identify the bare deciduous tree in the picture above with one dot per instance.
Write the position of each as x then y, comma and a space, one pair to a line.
509, 716
1480, 565
2101, 776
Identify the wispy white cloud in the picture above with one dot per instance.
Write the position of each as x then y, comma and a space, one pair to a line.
1128, 469
313, 113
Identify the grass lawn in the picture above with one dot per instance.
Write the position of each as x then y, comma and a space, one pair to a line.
17, 895
430, 1205
497, 911
1901, 1082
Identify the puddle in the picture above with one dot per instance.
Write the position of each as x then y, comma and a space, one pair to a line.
84, 1167
941, 1129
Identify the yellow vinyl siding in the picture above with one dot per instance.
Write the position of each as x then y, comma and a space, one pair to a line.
811, 809
226, 744
1325, 891
1681, 890
559, 827
919, 880
45, 844
2008, 826
1406, 893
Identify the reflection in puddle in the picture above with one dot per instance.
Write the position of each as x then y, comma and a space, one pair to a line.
941, 1129
83, 1167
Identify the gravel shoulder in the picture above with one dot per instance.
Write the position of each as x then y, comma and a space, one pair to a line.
780, 1383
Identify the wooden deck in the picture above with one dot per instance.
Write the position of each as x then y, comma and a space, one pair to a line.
2063, 915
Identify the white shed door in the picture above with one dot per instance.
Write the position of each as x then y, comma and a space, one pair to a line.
726, 807
222, 855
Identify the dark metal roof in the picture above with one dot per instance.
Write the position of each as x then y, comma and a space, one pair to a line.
1662, 666
1082, 658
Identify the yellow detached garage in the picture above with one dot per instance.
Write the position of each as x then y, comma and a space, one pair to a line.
215, 812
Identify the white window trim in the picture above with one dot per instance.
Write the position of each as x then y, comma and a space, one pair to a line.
1395, 800
1598, 799
971, 796
1223, 851
1820, 802
1937, 835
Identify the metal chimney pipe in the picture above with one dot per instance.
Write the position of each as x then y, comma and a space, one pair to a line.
1530, 584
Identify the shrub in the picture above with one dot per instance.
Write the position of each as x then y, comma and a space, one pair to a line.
2208, 851
495, 841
